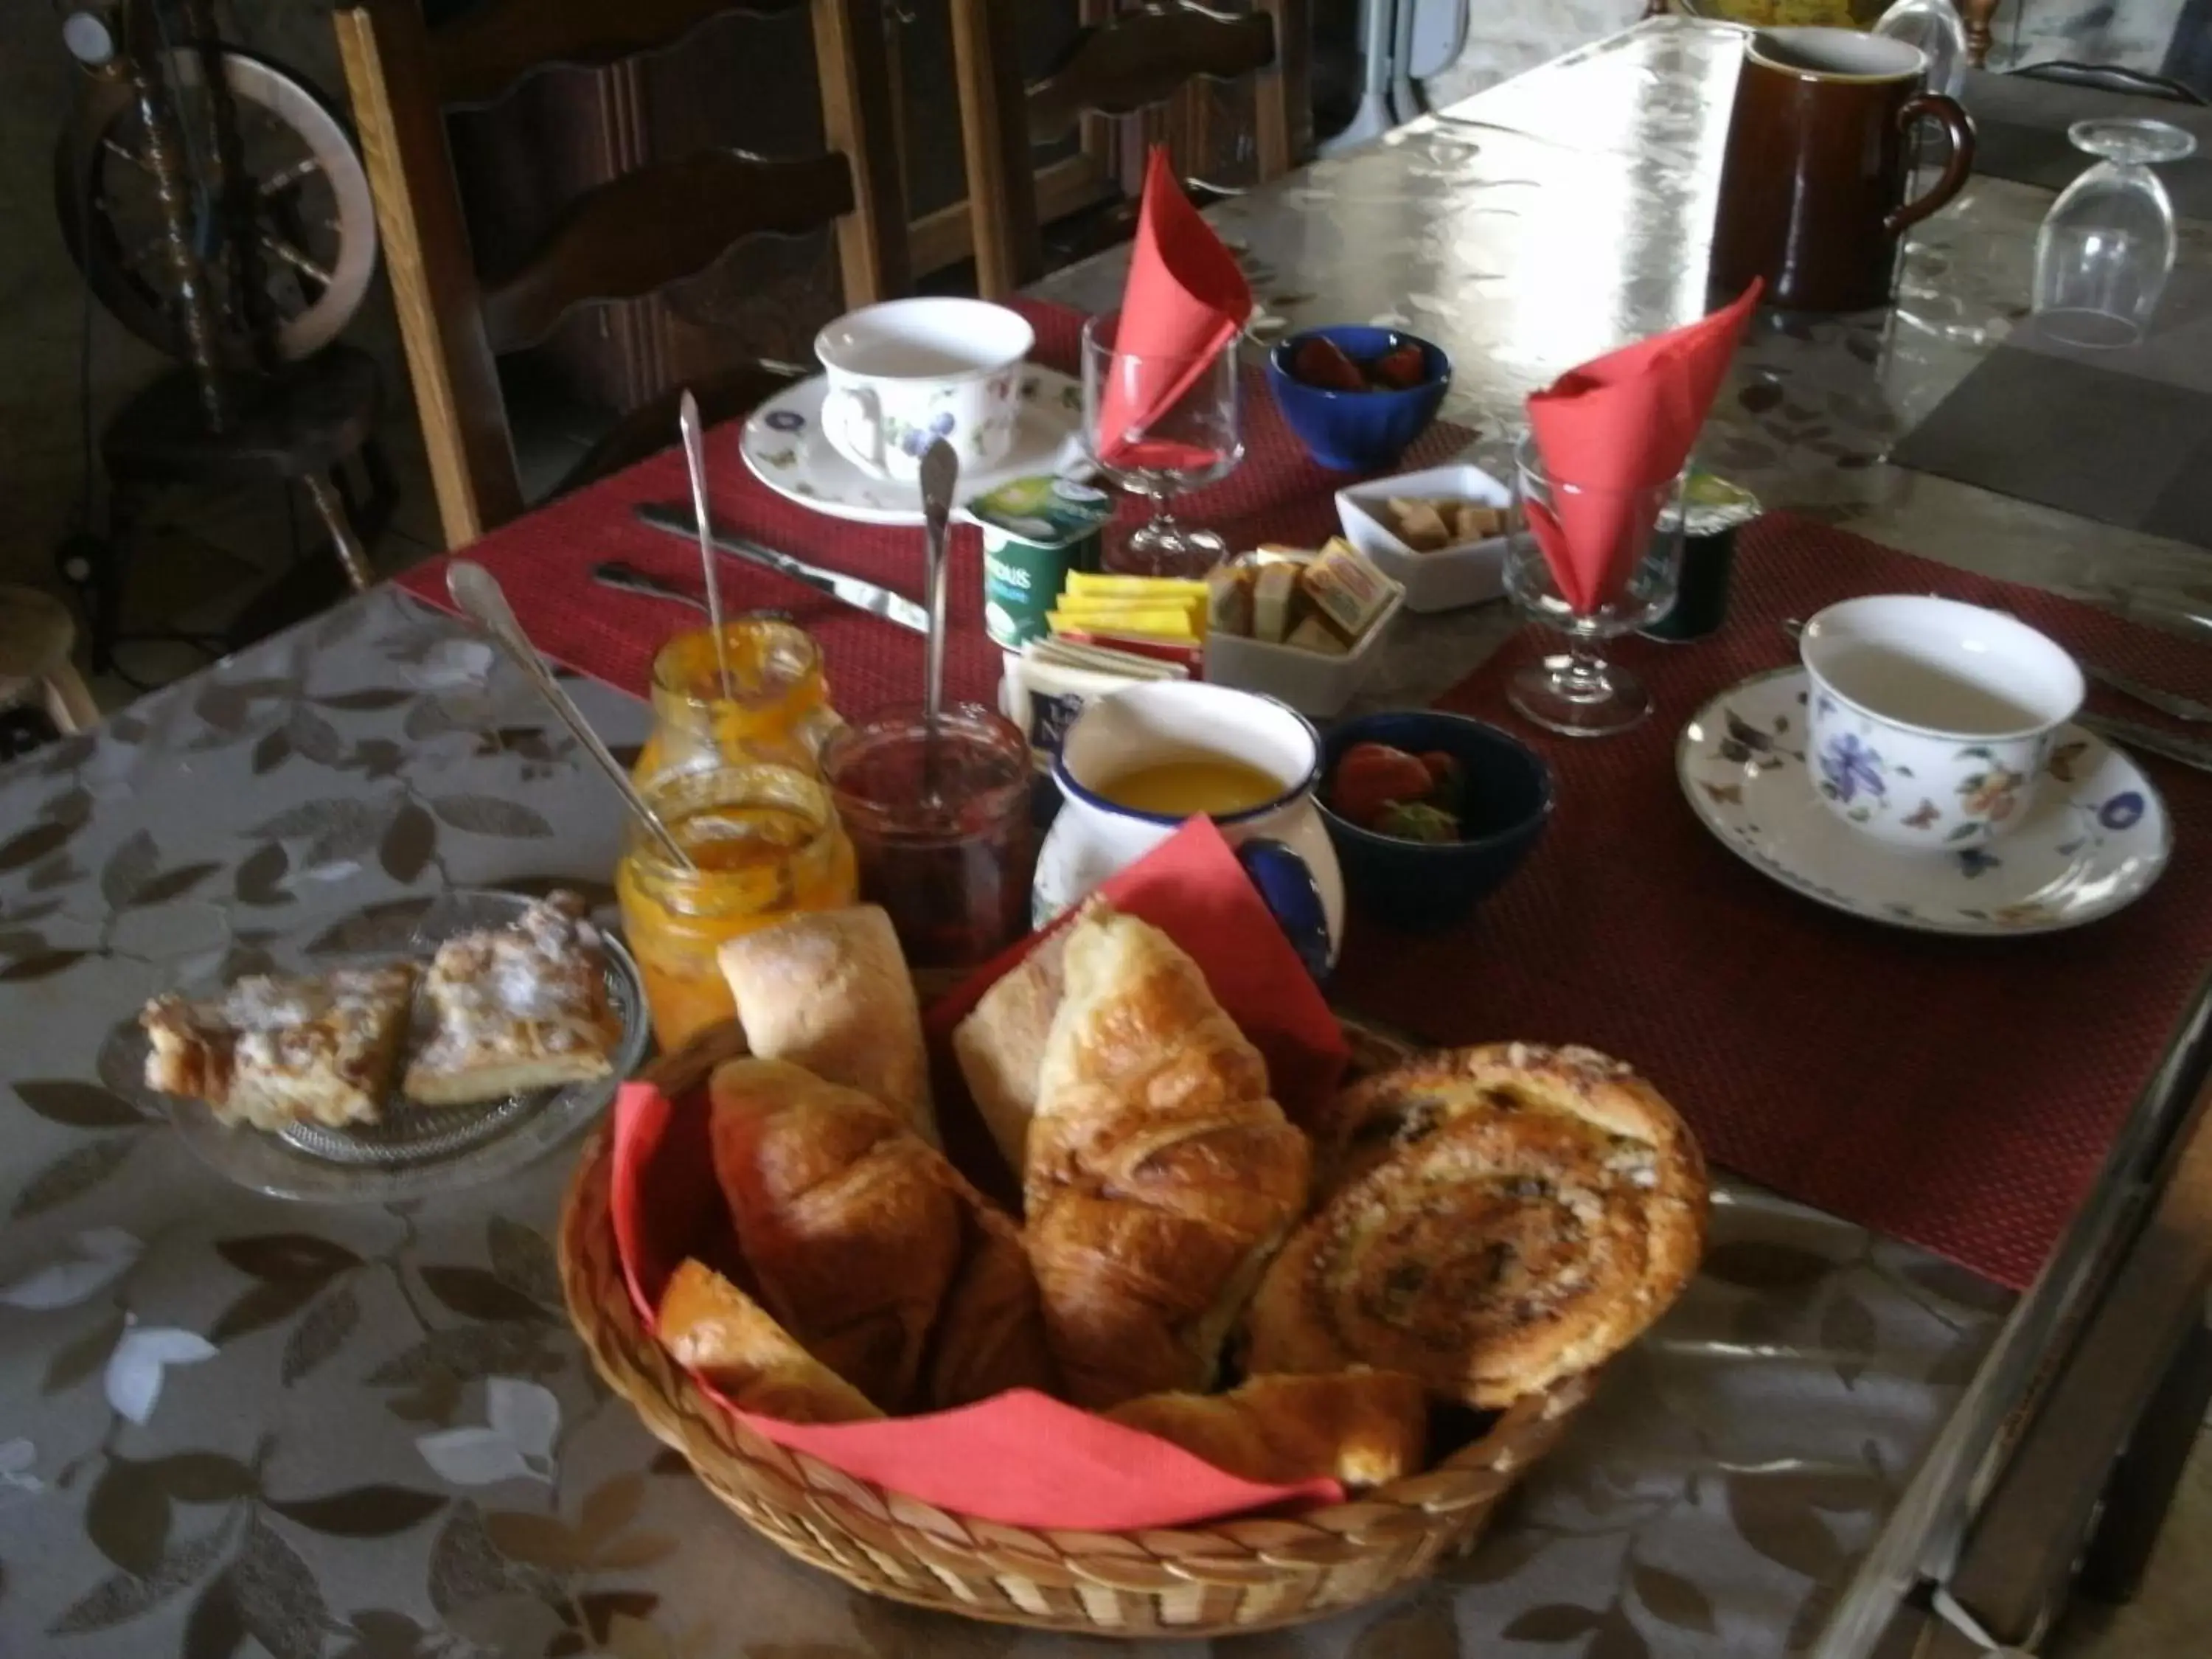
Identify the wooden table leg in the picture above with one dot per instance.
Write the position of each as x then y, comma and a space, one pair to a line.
1978, 15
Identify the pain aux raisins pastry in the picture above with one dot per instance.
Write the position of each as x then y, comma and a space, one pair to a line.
1499, 1218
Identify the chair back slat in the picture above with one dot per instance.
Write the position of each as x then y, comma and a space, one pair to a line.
1142, 58
485, 52
627, 238
657, 226
1131, 63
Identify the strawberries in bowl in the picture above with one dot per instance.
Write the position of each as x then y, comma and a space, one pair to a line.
1357, 396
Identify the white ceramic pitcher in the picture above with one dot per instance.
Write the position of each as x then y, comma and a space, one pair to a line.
1282, 842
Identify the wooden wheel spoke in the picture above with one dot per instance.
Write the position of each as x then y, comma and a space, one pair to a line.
278, 248
286, 177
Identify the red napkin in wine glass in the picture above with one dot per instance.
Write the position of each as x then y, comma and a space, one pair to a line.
1184, 303
1019, 1457
1620, 424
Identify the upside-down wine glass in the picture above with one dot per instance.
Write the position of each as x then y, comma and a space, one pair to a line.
2106, 246
1197, 438
1577, 692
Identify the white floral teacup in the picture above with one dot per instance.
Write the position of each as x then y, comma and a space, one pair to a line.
906, 371
1931, 720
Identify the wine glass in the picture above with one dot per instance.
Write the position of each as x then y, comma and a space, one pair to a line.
1577, 691
1936, 28
2106, 246
1196, 438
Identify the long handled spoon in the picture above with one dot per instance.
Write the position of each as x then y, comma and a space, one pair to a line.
940, 478
476, 592
694, 457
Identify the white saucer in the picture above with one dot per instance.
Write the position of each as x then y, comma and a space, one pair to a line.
2097, 838
784, 445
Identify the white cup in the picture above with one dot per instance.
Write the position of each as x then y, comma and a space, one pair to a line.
1282, 842
907, 371
1931, 721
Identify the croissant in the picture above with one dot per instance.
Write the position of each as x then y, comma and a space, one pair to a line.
1502, 1216
709, 1325
1363, 1428
989, 1334
1159, 1174
829, 990
844, 1214
1000, 1048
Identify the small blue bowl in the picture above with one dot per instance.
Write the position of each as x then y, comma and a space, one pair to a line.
1358, 431
1420, 887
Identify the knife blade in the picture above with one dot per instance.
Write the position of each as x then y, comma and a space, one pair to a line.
855, 591
2134, 734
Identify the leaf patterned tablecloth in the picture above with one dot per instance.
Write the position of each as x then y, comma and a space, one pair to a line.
230, 1425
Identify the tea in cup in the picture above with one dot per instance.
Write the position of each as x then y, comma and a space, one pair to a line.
908, 371
1930, 720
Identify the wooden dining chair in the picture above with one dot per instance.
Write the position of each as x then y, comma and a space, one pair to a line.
1133, 62
632, 236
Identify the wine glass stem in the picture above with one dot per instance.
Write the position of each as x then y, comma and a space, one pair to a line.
1583, 676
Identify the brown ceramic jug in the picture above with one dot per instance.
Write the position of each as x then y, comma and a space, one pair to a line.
1819, 160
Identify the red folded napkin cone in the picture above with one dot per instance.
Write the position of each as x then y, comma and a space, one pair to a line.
1184, 303
1623, 424
1019, 1458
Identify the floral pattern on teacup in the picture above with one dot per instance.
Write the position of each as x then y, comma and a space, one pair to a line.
911, 438
785, 420
1850, 769
1992, 795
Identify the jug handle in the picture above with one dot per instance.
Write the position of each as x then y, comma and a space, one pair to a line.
1287, 886
1951, 115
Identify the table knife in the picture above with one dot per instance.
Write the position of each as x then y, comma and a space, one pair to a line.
857, 591
2134, 734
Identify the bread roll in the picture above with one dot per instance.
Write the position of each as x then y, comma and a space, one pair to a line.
1363, 1428
829, 990
1502, 1217
1001, 1047
710, 1325
844, 1216
1160, 1177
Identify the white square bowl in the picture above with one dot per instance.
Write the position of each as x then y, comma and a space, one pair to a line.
1467, 573
1316, 685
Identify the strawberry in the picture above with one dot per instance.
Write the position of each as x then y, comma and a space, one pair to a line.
1321, 362
1399, 369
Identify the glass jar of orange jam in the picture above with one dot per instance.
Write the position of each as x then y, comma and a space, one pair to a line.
776, 707
767, 843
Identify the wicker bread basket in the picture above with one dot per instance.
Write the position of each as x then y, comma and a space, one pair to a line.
1220, 1579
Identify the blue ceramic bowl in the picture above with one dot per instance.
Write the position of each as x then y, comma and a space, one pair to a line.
1418, 887
1358, 431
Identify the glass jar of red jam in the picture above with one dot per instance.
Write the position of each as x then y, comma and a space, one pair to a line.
940, 824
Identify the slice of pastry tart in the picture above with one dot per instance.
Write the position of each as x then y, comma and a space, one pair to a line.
273, 1051
516, 1008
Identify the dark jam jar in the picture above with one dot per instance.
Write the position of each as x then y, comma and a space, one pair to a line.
941, 826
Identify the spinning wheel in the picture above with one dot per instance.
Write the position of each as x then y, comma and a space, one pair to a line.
313, 225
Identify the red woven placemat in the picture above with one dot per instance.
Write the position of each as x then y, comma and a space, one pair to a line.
1960, 1094
543, 560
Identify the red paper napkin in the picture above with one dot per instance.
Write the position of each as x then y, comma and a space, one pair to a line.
1019, 1458
1622, 423
1184, 302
